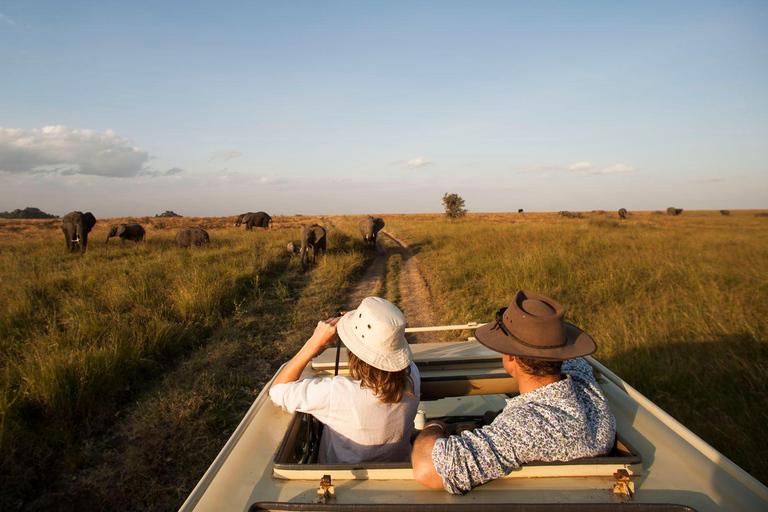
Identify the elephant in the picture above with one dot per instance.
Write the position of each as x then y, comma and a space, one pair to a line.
725, 212
369, 228
312, 238
519, 210
76, 226
192, 236
622, 213
132, 231
674, 211
251, 219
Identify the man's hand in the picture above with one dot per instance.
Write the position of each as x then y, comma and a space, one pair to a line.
421, 457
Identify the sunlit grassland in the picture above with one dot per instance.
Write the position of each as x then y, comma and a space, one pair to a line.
81, 335
677, 304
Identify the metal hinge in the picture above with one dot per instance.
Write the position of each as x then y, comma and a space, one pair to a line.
624, 487
325, 493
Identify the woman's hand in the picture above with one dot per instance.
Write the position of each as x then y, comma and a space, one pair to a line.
324, 335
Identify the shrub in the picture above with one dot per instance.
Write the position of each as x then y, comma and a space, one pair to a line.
454, 206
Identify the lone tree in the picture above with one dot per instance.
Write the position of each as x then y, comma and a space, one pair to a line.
454, 206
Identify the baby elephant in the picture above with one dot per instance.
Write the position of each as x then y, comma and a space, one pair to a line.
312, 238
133, 232
192, 236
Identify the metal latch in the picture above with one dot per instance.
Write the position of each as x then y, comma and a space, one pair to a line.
624, 487
325, 493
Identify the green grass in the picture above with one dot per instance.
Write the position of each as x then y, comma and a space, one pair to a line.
676, 304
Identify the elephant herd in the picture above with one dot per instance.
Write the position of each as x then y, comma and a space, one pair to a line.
76, 226
313, 238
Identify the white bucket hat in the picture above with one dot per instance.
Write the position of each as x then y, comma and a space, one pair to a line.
375, 332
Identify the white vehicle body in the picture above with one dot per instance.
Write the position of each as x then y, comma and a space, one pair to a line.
665, 466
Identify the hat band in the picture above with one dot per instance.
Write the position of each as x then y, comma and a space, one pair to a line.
529, 345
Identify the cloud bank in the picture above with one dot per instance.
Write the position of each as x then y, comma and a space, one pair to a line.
583, 168
613, 169
69, 151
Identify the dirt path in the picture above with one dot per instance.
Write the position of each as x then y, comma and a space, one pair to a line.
414, 296
371, 281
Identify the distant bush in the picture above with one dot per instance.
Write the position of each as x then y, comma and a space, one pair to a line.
27, 213
168, 213
454, 206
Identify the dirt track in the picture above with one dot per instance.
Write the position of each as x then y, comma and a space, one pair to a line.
414, 302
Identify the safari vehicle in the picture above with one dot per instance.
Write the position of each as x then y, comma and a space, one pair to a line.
270, 461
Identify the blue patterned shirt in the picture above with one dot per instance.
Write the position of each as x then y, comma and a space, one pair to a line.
562, 421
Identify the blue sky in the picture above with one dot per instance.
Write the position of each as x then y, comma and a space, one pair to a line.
132, 108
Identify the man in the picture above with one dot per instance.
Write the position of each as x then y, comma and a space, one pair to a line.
561, 413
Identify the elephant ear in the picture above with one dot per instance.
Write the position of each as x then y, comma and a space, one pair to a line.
378, 224
89, 221
120, 230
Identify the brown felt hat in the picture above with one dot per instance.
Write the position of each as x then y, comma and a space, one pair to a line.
533, 327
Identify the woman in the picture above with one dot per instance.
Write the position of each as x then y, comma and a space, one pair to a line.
368, 415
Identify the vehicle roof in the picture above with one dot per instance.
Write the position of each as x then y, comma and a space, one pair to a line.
675, 468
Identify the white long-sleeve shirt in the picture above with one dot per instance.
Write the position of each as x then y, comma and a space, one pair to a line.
358, 426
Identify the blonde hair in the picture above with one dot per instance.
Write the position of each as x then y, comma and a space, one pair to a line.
388, 387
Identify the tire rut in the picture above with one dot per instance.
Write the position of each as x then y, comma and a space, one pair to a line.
414, 295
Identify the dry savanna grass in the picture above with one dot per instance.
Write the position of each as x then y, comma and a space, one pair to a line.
123, 371
676, 304
84, 336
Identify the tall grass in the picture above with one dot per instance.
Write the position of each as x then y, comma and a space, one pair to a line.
676, 304
81, 334
164, 443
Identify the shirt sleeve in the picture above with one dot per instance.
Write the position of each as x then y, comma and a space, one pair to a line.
473, 458
579, 367
311, 396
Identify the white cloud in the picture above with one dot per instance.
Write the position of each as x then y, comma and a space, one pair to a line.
581, 166
417, 162
272, 180
536, 168
588, 169
226, 155
618, 168
613, 169
69, 150
6, 19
